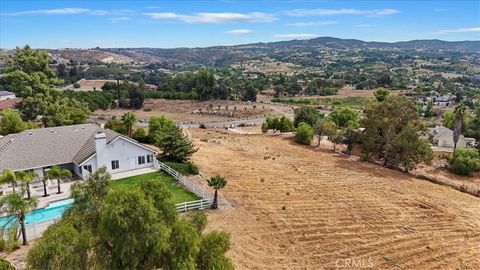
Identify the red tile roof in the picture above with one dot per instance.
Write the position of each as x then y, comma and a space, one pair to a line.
9, 103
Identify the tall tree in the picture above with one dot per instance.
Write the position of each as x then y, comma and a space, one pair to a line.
175, 145
16, 205
9, 177
129, 119
55, 172
383, 122
457, 130
26, 177
307, 115
409, 149
216, 182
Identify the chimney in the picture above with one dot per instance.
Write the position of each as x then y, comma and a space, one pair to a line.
100, 149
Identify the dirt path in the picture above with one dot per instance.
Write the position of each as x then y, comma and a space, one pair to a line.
298, 208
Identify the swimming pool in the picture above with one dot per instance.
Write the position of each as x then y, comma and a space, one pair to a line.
52, 211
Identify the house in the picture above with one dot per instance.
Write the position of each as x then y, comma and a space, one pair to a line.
5, 95
9, 103
80, 148
443, 137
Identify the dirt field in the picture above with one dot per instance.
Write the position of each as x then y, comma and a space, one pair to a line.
182, 110
292, 207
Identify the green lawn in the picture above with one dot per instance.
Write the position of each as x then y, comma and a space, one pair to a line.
179, 193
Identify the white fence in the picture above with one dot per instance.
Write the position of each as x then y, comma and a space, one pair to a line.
206, 199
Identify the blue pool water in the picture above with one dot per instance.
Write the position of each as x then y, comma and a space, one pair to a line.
52, 211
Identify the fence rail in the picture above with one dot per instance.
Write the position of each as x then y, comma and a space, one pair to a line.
194, 205
206, 199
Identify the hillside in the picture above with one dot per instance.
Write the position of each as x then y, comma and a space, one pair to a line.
225, 55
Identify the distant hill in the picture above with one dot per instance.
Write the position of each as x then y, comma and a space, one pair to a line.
224, 55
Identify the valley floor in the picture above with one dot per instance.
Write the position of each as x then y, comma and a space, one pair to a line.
293, 207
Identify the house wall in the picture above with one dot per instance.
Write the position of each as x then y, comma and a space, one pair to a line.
447, 141
6, 97
125, 152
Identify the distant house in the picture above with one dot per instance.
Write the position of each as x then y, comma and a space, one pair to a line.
5, 95
443, 137
9, 103
80, 148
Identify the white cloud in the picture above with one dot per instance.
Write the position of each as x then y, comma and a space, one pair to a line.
459, 30
239, 32
363, 25
206, 17
72, 11
120, 19
302, 24
440, 10
295, 36
343, 11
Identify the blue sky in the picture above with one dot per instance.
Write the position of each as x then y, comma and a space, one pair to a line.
167, 24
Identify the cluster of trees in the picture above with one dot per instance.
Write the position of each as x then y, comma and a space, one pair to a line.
203, 85
134, 228
277, 123
95, 99
323, 87
27, 74
129, 95
392, 130
162, 132
340, 126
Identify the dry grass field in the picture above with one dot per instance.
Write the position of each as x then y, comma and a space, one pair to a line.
182, 110
293, 207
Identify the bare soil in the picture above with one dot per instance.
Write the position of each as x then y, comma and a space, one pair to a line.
295, 207
183, 110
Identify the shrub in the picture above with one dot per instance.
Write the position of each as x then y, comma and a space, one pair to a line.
183, 168
264, 127
76, 85
465, 161
304, 134
140, 135
6, 265
2, 245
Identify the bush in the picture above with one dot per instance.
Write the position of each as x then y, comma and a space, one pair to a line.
2, 245
6, 265
465, 161
264, 128
140, 135
76, 85
304, 134
183, 168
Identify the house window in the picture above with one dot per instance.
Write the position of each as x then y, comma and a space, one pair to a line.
149, 158
88, 168
141, 160
115, 164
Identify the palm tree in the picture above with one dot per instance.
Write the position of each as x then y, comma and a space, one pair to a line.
58, 173
216, 182
457, 130
26, 177
16, 205
8, 177
129, 120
